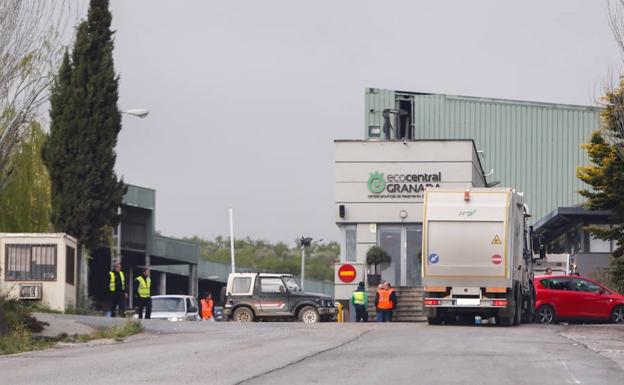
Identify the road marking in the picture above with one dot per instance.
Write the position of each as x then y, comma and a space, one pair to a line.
573, 379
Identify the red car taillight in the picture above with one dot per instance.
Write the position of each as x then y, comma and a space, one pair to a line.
499, 302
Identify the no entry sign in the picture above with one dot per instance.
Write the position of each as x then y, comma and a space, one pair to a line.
497, 259
346, 273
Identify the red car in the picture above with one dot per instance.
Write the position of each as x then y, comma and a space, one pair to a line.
571, 297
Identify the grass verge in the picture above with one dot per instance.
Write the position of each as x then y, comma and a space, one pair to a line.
116, 332
21, 339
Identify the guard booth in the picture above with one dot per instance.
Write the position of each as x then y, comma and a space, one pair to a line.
40, 267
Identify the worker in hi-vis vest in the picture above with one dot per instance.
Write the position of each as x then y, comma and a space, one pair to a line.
117, 290
359, 299
143, 294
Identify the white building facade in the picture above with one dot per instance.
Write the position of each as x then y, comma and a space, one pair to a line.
379, 187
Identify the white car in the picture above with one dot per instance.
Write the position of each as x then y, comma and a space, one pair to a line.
175, 308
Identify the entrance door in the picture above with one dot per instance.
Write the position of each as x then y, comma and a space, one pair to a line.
389, 239
404, 244
413, 251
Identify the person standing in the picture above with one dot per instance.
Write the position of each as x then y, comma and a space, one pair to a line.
393, 299
359, 299
207, 305
143, 294
383, 304
117, 290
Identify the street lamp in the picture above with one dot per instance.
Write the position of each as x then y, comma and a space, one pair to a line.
138, 112
305, 241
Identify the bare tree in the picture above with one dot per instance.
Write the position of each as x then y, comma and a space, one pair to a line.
615, 132
30, 46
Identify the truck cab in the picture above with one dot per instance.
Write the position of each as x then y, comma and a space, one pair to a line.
256, 296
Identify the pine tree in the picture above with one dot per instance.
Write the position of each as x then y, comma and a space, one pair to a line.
85, 122
606, 177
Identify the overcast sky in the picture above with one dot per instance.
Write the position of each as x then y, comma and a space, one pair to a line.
246, 97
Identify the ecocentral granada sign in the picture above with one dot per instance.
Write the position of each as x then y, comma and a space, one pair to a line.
401, 185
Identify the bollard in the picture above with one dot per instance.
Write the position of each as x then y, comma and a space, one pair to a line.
339, 318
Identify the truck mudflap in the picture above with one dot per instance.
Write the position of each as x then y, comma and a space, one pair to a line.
495, 303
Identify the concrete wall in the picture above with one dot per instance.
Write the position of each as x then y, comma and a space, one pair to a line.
56, 294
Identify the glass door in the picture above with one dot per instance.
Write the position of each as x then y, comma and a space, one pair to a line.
413, 246
389, 239
404, 244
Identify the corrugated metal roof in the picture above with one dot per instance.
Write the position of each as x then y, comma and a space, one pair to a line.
531, 146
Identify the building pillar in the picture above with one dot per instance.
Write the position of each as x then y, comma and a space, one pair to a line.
193, 284
163, 284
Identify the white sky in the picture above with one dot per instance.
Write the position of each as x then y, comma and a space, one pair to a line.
246, 97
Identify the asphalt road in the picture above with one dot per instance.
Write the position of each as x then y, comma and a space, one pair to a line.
294, 353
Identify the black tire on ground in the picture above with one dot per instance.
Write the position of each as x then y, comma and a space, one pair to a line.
243, 314
434, 320
545, 314
518, 305
617, 315
529, 315
309, 315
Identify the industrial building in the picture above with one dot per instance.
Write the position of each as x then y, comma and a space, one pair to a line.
533, 147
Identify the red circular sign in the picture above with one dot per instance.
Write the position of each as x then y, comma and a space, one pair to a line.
497, 259
346, 273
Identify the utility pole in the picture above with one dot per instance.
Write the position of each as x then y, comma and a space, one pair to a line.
232, 240
305, 241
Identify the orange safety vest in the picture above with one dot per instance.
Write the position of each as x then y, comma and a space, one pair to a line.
383, 301
206, 308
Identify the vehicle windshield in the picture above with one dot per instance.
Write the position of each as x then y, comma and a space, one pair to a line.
291, 284
168, 305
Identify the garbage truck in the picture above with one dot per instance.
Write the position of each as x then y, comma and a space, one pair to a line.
477, 256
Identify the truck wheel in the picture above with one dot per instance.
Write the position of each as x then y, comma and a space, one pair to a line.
617, 315
545, 315
518, 309
529, 314
309, 315
243, 314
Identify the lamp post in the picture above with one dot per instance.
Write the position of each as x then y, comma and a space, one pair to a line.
139, 113
305, 241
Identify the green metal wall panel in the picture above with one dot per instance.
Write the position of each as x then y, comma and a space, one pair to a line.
138, 196
533, 147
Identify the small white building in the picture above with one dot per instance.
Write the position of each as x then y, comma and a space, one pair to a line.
40, 267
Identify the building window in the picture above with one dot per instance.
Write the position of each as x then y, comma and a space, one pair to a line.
30, 262
598, 245
70, 258
350, 243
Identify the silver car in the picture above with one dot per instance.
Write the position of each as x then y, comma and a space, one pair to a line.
175, 308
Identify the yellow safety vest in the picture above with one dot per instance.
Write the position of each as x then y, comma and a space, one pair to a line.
144, 286
359, 297
111, 284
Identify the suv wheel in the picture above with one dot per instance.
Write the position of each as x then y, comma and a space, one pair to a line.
309, 315
243, 314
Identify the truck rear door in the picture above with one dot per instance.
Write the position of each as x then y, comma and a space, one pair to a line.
466, 238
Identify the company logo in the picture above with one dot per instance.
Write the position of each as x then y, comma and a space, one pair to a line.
376, 182
467, 213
